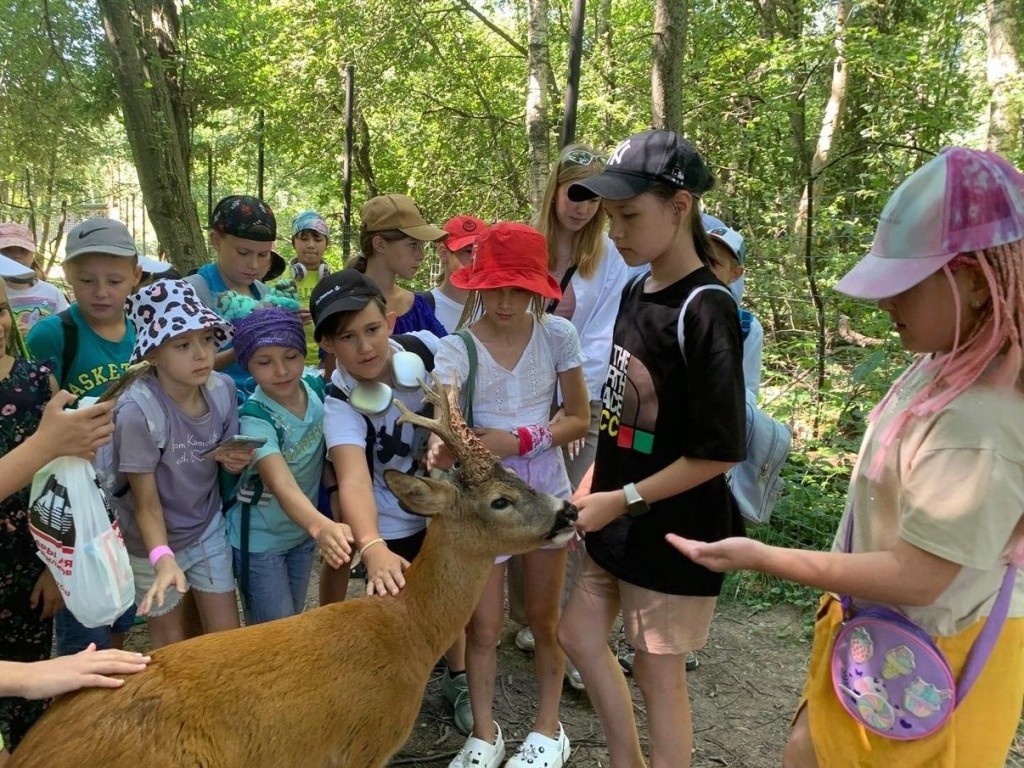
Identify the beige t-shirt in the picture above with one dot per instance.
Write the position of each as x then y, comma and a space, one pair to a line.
952, 484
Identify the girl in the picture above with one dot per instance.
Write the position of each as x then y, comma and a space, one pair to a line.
391, 239
167, 425
310, 238
31, 297
283, 528
29, 597
523, 355
671, 426
935, 499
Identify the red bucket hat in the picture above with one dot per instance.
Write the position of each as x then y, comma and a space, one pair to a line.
509, 255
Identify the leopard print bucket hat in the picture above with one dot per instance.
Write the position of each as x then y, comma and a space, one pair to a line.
166, 309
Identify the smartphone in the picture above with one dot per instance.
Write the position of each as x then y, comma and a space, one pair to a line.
238, 442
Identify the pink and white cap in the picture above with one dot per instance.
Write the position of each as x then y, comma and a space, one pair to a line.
961, 200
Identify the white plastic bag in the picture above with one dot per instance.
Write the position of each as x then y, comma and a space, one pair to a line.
79, 542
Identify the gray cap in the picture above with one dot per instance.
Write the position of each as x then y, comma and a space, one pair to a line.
99, 235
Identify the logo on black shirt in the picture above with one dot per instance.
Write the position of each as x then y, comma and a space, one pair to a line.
629, 408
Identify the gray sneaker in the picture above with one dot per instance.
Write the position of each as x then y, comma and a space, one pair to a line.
456, 692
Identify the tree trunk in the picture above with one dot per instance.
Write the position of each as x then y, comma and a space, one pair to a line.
667, 64
538, 130
606, 64
142, 37
1005, 77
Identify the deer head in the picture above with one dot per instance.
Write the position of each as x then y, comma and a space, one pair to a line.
480, 493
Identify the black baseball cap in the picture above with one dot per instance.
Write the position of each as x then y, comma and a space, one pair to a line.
643, 160
346, 291
246, 217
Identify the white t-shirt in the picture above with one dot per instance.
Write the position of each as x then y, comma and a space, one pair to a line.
396, 446
522, 396
30, 304
446, 310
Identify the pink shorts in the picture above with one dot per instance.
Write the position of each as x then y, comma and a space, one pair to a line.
660, 624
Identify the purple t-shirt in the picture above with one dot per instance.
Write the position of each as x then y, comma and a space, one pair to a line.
420, 317
186, 482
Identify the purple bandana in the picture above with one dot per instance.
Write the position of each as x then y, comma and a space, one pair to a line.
267, 327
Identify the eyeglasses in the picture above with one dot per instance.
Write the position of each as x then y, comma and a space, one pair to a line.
583, 157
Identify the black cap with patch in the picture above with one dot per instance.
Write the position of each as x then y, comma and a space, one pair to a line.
643, 160
348, 290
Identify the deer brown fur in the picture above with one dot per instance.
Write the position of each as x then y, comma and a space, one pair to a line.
339, 686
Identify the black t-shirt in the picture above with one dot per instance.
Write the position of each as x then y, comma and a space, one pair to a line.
658, 406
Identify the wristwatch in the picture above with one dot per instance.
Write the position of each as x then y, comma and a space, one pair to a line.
635, 504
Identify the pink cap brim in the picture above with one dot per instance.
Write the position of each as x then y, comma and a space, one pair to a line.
875, 277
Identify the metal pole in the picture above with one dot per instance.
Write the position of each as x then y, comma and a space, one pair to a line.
579, 8
259, 160
346, 190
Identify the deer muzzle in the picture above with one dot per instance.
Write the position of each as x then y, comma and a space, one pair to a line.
564, 518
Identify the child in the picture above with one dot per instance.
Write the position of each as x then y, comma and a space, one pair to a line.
284, 526
935, 496
352, 323
672, 424
31, 297
523, 356
731, 254
242, 232
310, 238
165, 425
391, 239
29, 597
89, 345
454, 252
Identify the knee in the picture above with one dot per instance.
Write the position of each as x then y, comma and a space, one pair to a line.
483, 634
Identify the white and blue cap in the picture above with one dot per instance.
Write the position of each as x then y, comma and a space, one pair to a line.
727, 236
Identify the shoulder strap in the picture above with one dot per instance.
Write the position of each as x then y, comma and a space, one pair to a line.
412, 343
337, 392
70, 348
553, 304
680, 329
467, 394
316, 382
202, 288
431, 301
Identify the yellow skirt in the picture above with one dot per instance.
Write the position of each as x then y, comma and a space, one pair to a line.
978, 735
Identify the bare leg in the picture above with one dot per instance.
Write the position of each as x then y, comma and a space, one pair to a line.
333, 584
583, 633
482, 653
799, 752
190, 615
544, 572
218, 610
662, 681
456, 655
166, 629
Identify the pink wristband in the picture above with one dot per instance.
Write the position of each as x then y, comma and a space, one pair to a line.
157, 552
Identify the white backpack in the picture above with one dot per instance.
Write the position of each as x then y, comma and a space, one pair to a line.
756, 482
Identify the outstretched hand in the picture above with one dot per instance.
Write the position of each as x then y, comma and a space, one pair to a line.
732, 554
78, 432
88, 669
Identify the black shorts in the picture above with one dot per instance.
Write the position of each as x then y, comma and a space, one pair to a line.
407, 547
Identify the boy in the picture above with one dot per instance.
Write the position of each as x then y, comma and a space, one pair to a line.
310, 237
31, 298
454, 252
90, 345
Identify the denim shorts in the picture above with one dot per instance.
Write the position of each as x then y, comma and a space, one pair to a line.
206, 564
73, 637
277, 582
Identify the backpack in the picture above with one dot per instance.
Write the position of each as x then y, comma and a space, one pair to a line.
756, 482
70, 348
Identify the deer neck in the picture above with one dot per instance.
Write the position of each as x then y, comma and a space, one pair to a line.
442, 588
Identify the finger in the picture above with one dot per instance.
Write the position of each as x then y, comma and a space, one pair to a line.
62, 399
101, 681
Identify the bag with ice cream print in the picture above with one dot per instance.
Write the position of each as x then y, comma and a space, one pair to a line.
891, 677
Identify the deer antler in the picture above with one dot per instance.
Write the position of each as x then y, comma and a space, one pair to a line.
477, 463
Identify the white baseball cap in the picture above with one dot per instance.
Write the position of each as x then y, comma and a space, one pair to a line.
11, 268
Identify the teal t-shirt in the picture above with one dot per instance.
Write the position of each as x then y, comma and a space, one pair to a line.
270, 529
97, 361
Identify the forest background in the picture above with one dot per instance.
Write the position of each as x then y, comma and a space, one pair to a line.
809, 112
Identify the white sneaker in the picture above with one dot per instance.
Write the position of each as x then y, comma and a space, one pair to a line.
524, 639
477, 753
538, 751
573, 676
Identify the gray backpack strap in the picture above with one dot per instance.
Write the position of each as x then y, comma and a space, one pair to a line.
680, 327
202, 290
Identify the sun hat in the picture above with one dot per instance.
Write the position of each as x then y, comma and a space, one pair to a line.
246, 217
347, 290
310, 220
11, 269
15, 235
643, 160
726, 235
266, 327
399, 212
99, 235
463, 230
509, 255
153, 266
960, 201
169, 308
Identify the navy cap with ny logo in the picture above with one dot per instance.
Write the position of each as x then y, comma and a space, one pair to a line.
643, 160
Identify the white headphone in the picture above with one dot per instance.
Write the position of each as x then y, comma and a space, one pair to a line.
299, 271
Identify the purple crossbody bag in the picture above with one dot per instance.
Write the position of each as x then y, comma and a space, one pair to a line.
891, 677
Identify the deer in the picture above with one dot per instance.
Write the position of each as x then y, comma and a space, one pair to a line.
338, 686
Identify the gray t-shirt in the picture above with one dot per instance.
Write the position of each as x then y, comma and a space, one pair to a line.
186, 482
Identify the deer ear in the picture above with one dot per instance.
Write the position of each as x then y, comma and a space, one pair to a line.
420, 495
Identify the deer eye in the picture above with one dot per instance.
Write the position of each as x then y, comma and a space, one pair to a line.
501, 503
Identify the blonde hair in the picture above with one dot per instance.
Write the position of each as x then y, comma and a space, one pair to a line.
998, 332
588, 243
474, 308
